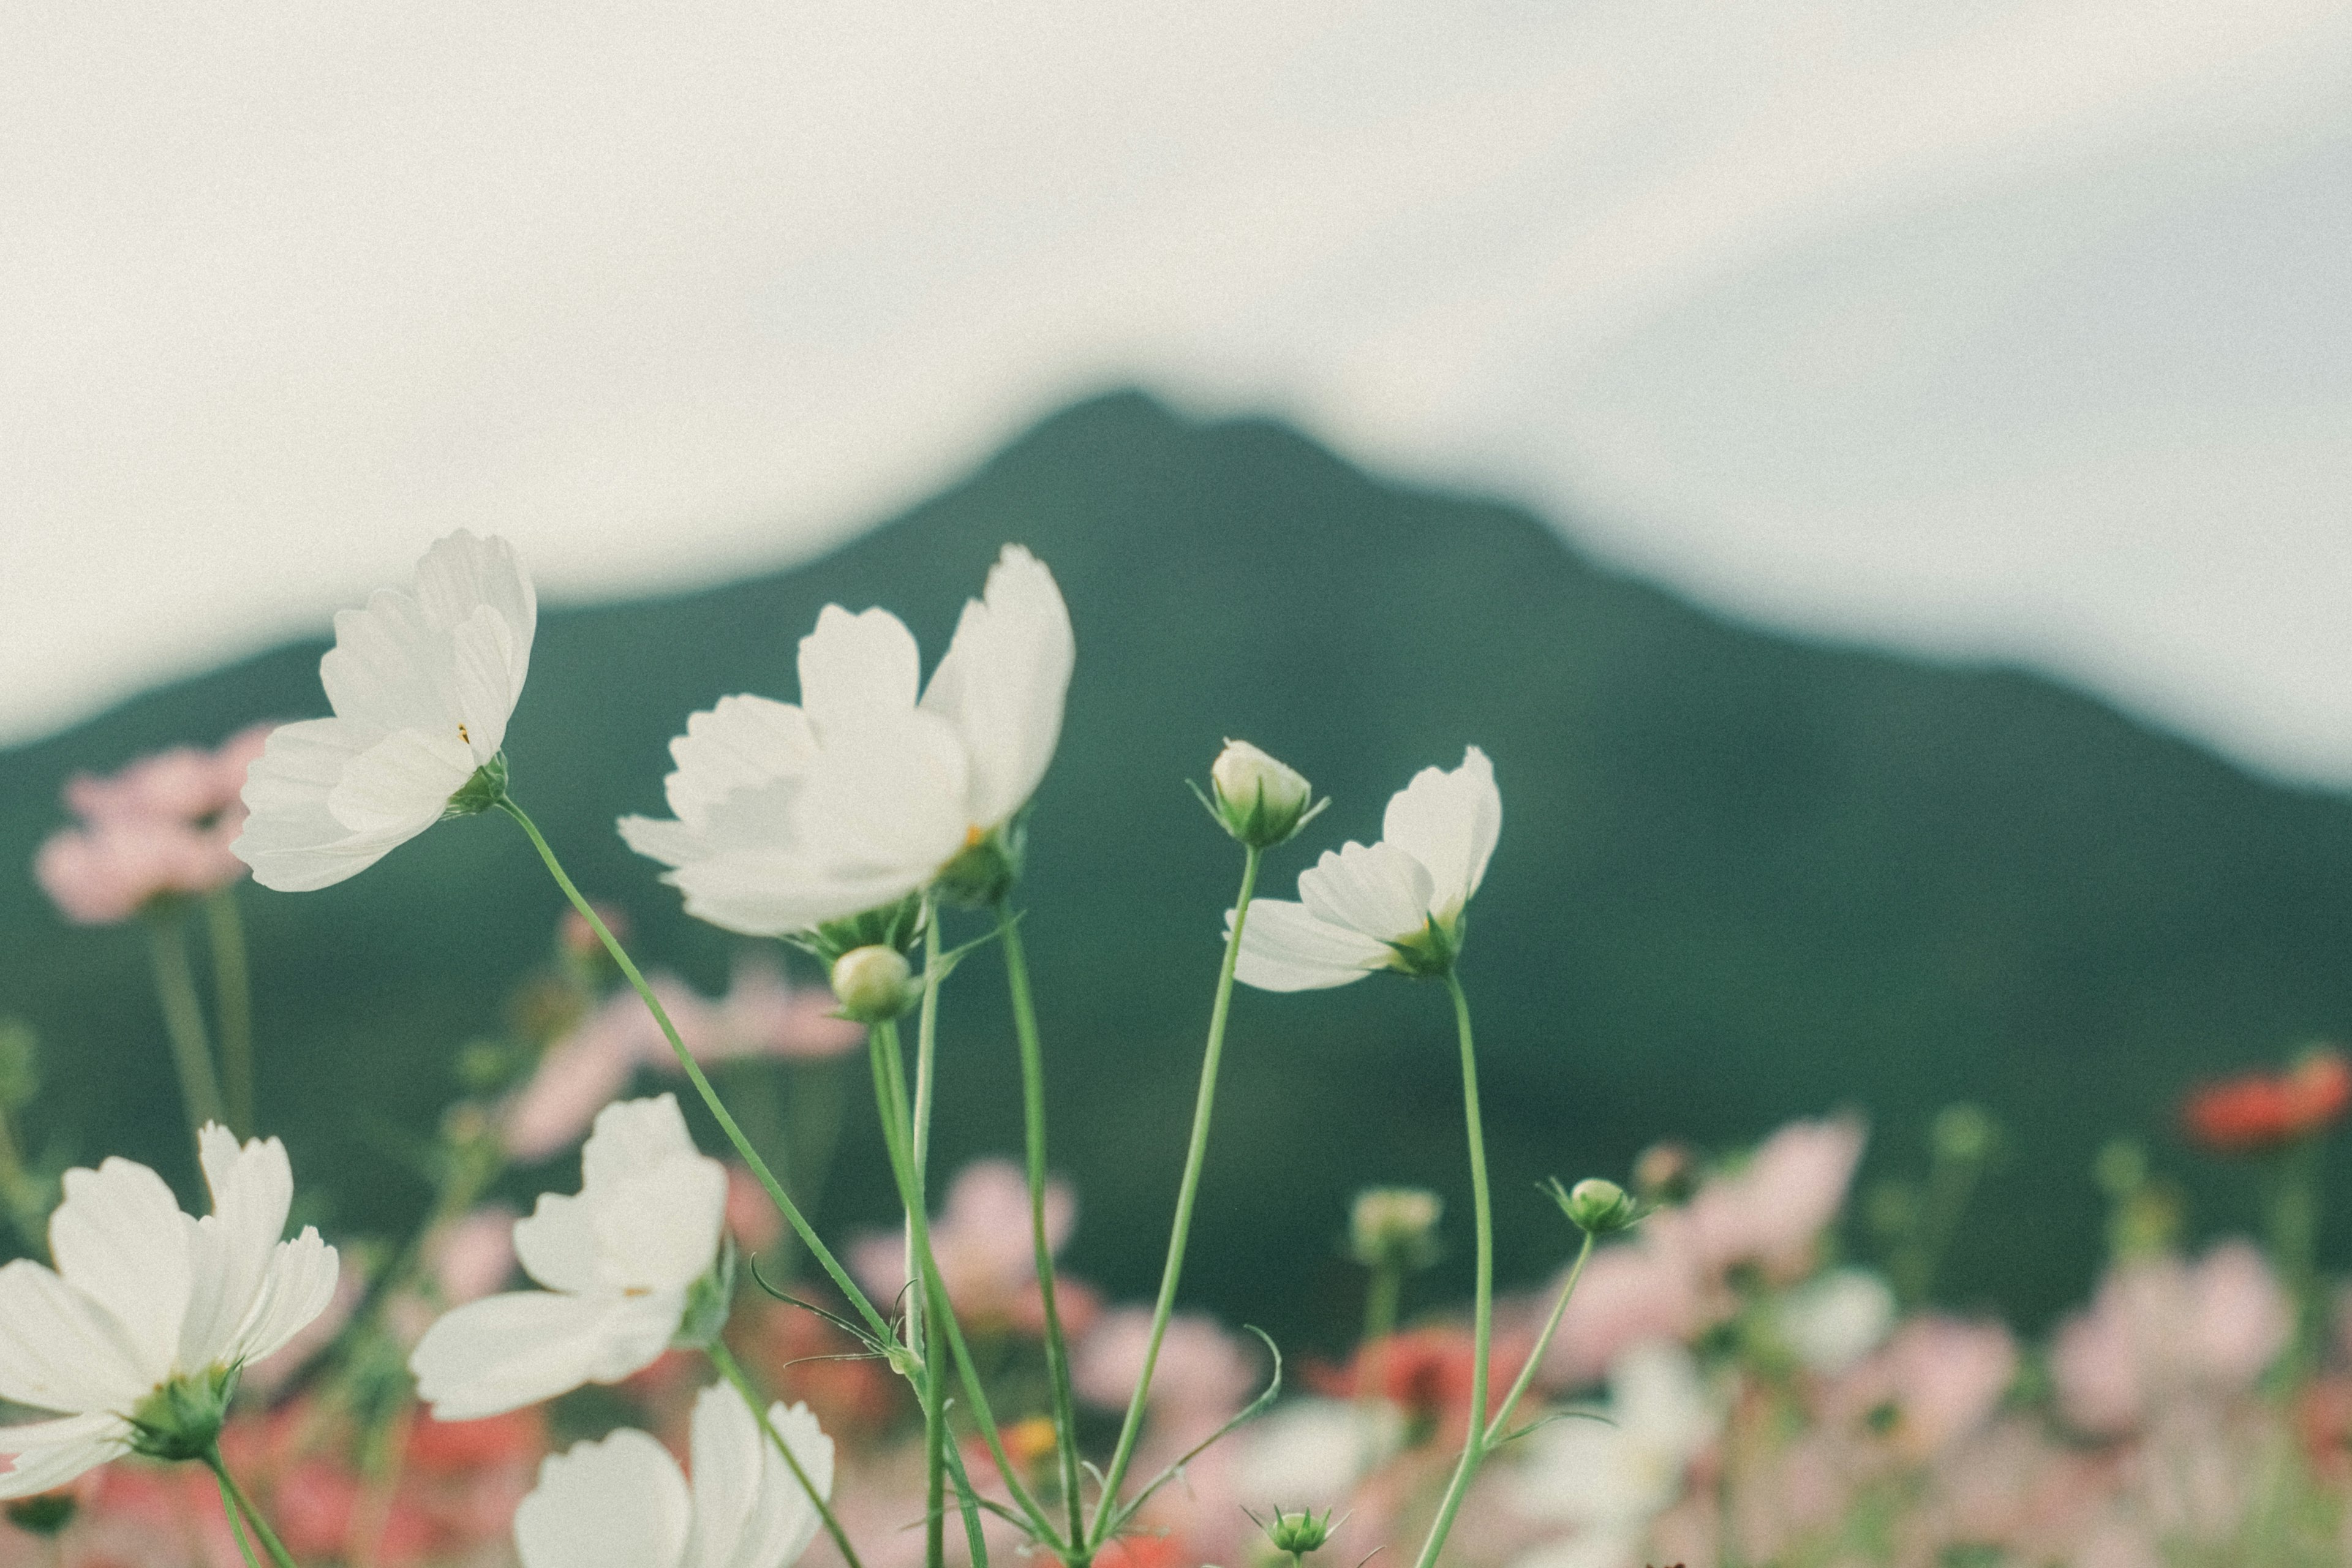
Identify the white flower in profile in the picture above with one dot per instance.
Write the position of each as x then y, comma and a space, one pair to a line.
622, 1503
1394, 905
151, 1312
422, 685
788, 816
620, 1262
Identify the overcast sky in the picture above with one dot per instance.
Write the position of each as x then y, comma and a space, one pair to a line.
2018, 329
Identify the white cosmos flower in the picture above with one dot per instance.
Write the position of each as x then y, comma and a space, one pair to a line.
1356, 907
619, 1262
788, 816
1606, 1480
622, 1503
422, 685
144, 1296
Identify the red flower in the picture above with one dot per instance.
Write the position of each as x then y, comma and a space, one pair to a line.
2255, 1112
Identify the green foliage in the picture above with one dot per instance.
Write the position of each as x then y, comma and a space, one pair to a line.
1741, 877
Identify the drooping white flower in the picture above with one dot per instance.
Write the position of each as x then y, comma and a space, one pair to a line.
622, 1503
145, 1297
422, 685
619, 1261
1396, 904
791, 815
1606, 1480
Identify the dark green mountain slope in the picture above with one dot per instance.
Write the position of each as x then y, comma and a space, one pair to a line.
1740, 879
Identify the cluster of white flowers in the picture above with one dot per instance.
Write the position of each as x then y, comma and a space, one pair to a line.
872, 796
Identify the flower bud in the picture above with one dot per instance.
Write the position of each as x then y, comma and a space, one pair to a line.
1598, 1206
873, 983
1260, 801
1296, 1534
1394, 1227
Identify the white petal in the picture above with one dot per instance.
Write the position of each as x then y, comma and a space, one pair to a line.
401, 784
49, 1454
502, 1353
888, 802
1448, 821
856, 669
750, 1511
462, 573
488, 680
633, 1135
778, 896
1005, 681
659, 838
296, 1287
1379, 891
1284, 948
120, 1240
231, 1251
391, 666
556, 1245
618, 1503
743, 743
61, 1350
292, 839
659, 1229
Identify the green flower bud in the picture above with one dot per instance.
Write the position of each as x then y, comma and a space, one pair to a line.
1597, 1206
1261, 802
1296, 1534
873, 983
1394, 1227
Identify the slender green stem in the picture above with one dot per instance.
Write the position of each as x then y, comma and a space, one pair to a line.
233, 1498
1543, 1343
235, 1528
1033, 1118
759, 1167
2295, 1246
732, 1371
233, 1002
184, 1020
1473, 1443
1195, 1155
935, 1404
21, 1193
890, 1101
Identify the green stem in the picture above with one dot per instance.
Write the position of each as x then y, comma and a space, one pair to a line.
1195, 1156
233, 1001
890, 1101
1033, 1118
935, 1404
1474, 1444
233, 1500
729, 1368
184, 1020
758, 1166
1543, 1343
21, 1193
2294, 1247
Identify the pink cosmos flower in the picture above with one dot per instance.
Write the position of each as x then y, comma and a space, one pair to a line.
1203, 1374
159, 827
2161, 1330
1772, 1210
981, 1241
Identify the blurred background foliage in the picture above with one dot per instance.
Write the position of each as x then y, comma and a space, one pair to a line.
1741, 878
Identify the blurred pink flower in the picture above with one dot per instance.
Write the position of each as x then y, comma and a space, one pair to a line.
2161, 1330
751, 1216
1772, 1210
578, 1076
474, 1256
161, 825
981, 1241
1645, 1289
1937, 1381
1203, 1374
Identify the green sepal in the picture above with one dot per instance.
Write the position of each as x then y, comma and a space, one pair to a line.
895, 925
708, 1301
182, 1419
481, 792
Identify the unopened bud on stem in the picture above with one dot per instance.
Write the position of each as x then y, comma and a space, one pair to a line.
1260, 801
1597, 1206
873, 983
1394, 1227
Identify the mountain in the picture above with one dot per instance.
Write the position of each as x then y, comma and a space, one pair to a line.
1741, 878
